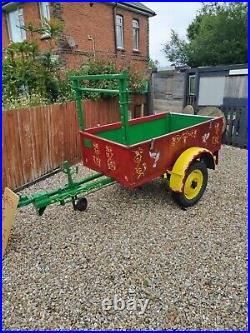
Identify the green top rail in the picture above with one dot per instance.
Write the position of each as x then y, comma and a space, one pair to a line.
122, 92
107, 91
100, 77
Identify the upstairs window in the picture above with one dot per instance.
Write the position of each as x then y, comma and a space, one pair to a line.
44, 11
135, 35
119, 32
15, 23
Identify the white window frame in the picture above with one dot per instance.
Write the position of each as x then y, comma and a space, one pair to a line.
190, 78
136, 34
18, 25
44, 10
119, 29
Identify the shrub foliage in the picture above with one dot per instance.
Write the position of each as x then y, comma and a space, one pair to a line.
31, 76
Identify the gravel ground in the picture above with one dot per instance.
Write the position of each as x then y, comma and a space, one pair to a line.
190, 265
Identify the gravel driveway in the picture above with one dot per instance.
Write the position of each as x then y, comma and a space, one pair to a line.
137, 246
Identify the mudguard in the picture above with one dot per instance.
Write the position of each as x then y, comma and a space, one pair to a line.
177, 175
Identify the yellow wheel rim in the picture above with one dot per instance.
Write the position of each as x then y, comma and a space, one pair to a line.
193, 184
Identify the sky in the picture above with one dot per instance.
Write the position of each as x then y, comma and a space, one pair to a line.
170, 15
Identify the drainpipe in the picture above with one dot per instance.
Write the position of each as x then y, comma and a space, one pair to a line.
114, 25
93, 45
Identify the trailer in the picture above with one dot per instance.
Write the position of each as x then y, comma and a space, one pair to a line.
132, 152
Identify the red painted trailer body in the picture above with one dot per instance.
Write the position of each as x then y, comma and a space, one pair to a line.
139, 163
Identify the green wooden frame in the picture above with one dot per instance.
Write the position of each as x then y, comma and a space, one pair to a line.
122, 92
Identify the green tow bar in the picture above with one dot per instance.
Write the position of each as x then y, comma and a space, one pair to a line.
68, 193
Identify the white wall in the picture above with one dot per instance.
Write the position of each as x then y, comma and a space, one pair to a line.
211, 90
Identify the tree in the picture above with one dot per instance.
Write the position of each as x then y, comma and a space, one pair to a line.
153, 64
218, 35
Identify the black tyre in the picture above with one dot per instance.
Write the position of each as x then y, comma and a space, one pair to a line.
81, 204
195, 183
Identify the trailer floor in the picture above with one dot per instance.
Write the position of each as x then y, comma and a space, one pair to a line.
190, 265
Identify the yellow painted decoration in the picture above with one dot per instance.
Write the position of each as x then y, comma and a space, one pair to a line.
181, 165
193, 184
140, 167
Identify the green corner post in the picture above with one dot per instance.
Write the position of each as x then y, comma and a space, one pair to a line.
79, 103
123, 104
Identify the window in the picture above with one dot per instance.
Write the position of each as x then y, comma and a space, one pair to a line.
44, 10
135, 35
15, 23
119, 32
191, 85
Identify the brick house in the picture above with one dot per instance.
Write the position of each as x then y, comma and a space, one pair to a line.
113, 30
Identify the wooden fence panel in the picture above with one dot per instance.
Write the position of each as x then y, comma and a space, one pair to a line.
37, 140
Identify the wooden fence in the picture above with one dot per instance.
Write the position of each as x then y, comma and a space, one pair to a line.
236, 126
167, 91
37, 140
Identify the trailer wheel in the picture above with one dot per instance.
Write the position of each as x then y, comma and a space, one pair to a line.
195, 183
81, 204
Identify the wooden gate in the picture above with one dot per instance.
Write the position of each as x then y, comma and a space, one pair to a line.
236, 126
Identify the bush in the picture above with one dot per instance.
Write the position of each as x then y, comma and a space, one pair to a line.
137, 82
29, 75
24, 101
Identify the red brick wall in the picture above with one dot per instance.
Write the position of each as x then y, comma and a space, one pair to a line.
31, 14
5, 36
81, 20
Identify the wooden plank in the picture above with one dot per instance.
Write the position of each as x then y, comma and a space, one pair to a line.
245, 133
33, 144
10, 202
43, 139
230, 127
18, 155
6, 170
225, 134
75, 134
243, 129
56, 137
38, 130
12, 159
50, 137
227, 115
236, 123
67, 132
26, 154
66, 129
29, 138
